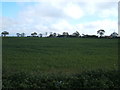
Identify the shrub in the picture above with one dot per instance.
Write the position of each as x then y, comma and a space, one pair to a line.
88, 79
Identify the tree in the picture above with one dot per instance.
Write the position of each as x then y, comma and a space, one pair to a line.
114, 34
58, 34
34, 34
101, 32
65, 34
83, 34
18, 34
40, 35
4, 33
50, 33
76, 34
46, 34
22, 34
54, 34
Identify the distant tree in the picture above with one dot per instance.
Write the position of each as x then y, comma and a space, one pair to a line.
51, 35
40, 35
54, 34
65, 34
4, 33
114, 34
76, 34
22, 34
83, 34
58, 34
101, 32
18, 34
34, 34
46, 34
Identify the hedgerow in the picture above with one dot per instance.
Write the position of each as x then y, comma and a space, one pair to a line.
88, 79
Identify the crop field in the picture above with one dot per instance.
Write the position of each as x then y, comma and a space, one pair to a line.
66, 56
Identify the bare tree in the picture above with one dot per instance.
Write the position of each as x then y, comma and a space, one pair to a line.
46, 34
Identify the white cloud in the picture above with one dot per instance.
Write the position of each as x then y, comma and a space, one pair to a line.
7, 23
92, 27
108, 12
59, 0
45, 17
62, 26
73, 11
101, 9
57, 16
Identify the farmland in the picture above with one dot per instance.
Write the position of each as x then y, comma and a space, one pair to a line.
66, 56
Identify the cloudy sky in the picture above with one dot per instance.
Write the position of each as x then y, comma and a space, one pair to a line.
84, 16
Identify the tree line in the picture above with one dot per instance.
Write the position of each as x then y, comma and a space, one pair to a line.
64, 34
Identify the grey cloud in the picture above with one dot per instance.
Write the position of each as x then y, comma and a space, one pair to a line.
107, 5
89, 26
47, 10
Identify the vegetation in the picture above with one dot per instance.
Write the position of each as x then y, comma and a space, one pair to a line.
66, 34
31, 62
4, 33
90, 79
20, 35
101, 32
33, 34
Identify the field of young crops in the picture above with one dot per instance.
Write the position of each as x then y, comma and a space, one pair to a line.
58, 56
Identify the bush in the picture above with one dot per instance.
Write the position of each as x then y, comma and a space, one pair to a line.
89, 79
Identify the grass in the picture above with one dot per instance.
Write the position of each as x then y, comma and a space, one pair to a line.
58, 54
66, 56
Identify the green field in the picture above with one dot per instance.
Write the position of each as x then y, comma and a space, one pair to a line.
63, 55
59, 63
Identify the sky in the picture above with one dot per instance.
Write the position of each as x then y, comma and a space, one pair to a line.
41, 16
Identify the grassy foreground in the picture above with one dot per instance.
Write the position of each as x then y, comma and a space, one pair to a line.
44, 58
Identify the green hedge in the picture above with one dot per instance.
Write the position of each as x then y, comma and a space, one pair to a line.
88, 79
